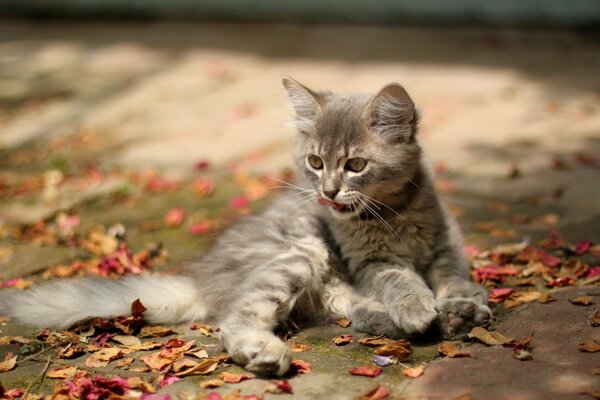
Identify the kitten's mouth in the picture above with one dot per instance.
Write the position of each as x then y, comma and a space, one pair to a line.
336, 206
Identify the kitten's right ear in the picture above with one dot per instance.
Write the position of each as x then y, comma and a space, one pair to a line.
306, 102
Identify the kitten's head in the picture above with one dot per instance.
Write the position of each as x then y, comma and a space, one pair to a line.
357, 151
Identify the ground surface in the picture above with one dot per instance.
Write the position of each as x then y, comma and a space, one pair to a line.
107, 127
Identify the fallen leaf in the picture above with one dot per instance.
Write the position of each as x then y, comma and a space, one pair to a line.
174, 217
592, 393
127, 340
103, 357
366, 370
301, 366
157, 331
377, 393
518, 298
126, 362
200, 228
200, 353
4, 340
204, 329
298, 348
451, 350
595, 320
498, 295
343, 340
204, 186
489, 338
62, 373
211, 383
589, 347
279, 386
399, 349
344, 323
582, 300
234, 378
167, 379
414, 372
375, 341
189, 368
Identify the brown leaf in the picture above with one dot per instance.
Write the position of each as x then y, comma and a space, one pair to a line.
127, 340
377, 393
592, 393
204, 329
342, 340
595, 320
135, 382
211, 383
298, 348
200, 353
414, 372
581, 300
375, 341
450, 350
189, 368
4, 340
145, 346
8, 364
102, 357
344, 323
157, 331
62, 373
516, 299
234, 378
400, 349
489, 338
126, 362
366, 370
69, 351
137, 308
589, 347
301, 366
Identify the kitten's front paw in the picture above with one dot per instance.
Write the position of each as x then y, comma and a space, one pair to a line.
415, 313
457, 316
261, 353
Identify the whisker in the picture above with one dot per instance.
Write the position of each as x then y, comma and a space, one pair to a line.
391, 209
379, 217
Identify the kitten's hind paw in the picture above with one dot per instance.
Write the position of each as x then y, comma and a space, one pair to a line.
457, 316
262, 353
375, 322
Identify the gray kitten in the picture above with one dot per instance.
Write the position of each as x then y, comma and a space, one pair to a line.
364, 237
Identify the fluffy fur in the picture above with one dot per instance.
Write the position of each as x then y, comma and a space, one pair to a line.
381, 251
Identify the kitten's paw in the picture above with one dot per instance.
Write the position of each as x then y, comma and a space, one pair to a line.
415, 313
375, 322
458, 315
261, 353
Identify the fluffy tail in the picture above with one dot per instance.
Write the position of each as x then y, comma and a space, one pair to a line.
60, 304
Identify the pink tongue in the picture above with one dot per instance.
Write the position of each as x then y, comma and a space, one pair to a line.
330, 203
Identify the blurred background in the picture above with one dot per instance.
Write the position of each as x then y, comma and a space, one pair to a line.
117, 110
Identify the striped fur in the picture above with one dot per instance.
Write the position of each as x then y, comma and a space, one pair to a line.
391, 262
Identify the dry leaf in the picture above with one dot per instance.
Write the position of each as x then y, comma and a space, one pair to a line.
145, 346
4, 340
400, 349
200, 353
343, 340
592, 393
366, 370
234, 378
375, 341
126, 362
157, 331
344, 323
414, 372
211, 383
489, 338
127, 340
174, 350
301, 366
595, 320
298, 348
377, 393
189, 368
589, 347
62, 373
581, 300
102, 357
450, 350
204, 329
8, 364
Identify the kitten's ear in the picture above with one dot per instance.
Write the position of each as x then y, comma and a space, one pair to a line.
307, 103
391, 113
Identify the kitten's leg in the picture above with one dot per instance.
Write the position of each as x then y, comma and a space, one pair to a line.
403, 293
367, 315
265, 300
461, 303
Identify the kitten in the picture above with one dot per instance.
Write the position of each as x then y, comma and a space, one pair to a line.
365, 238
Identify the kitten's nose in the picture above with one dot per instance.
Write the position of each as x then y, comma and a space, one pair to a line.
331, 193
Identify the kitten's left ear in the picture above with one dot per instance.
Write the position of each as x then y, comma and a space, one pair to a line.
391, 113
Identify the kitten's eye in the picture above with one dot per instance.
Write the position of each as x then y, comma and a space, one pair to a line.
355, 164
315, 161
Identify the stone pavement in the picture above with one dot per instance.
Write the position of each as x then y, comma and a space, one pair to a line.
511, 123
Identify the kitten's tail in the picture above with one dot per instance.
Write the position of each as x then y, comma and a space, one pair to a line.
60, 304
